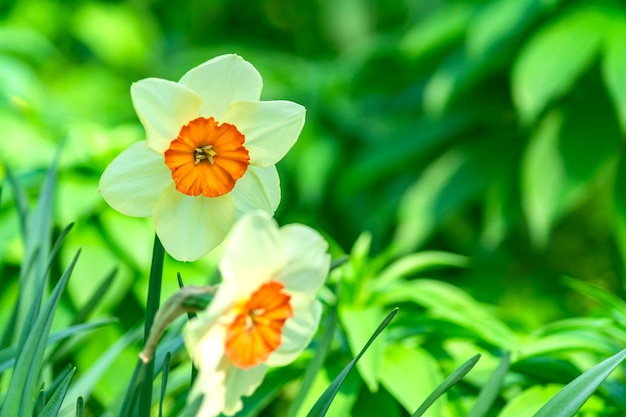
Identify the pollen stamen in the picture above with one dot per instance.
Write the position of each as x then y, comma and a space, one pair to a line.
204, 152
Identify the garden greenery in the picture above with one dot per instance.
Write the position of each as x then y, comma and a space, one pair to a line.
463, 160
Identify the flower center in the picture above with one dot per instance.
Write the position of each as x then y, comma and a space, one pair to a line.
207, 158
256, 331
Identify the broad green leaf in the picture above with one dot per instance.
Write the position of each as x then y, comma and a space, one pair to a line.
529, 401
447, 383
436, 32
546, 369
489, 392
446, 186
450, 303
568, 341
410, 374
31, 351
571, 398
323, 403
499, 22
561, 162
357, 323
619, 205
54, 403
614, 67
554, 58
416, 263
379, 163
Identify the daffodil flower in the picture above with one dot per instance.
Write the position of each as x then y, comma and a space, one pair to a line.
209, 155
263, 314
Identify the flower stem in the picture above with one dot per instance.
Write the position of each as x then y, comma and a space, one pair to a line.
152, 305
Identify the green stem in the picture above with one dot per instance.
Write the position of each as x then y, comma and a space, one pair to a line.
152, 305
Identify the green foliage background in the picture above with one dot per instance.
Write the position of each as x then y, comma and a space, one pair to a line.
489, 129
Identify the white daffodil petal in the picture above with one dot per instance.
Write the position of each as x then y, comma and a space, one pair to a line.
253, 253
270, 127
259, 188
212, 386
189, 227
298, 330
240, 382
221, 81
163, 107
205, 343
134, 181
308, 262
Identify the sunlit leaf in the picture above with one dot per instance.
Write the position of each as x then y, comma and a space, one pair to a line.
323, 403
614, 67
403, 367
554, 58
358, 325
571, 398
447, 383
560, 162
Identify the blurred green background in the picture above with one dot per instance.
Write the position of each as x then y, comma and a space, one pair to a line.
491, 129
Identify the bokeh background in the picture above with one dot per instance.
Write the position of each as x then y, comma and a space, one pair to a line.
489, 129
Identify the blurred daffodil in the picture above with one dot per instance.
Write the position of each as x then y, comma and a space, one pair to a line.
209, 155
263, 314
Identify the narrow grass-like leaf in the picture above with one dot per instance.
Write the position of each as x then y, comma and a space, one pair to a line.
321, 350
7, 356
489, 392
80, 407
132, 392
190, 315
164, 375
56, 400
325, 400
191, 410
21, 200
152, 305
85, 383
37, 293
452, 379
599, 294
36, 251
58, 381
40, 401
569, 400
336, 263
31, 351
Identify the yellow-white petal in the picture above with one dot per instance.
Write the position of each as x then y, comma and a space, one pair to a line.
212, 386
259, 188
298, 330
163, 107
308, 262
240, 382
134, 180
189, 227
221, 81
253, 253
270, 127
